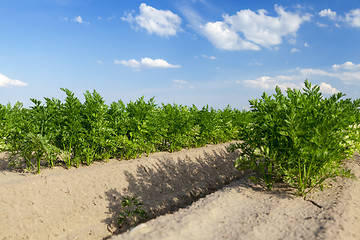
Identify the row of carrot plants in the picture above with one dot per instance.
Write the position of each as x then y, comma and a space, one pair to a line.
300, 137
72, 132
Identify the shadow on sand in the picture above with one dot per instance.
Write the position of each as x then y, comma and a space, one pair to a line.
174, 183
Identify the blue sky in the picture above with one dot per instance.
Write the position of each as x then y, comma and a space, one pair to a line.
188, 52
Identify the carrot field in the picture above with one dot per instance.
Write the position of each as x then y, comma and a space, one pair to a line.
74, 132
299, 137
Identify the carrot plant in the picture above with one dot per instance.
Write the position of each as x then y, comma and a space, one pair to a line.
3, 112
131, 211
299, 137
74, 133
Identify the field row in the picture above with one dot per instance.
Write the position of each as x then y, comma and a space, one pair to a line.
299, 137
80, 133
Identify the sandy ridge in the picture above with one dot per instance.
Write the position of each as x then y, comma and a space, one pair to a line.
242, 210
84, 203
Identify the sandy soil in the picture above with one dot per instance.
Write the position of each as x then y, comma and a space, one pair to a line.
242, 210
84, 203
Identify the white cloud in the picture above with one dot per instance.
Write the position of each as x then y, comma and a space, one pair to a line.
294, 50
161, 22
353, 17
79, 19
328, 13
349, 77
284, 82
344, 72
306, 45
130, 63
257, 28
347, 66
193, 18
263, 82
222, 37
146, 62
321, 24
266, 82
327, 89
348, 73
181, 84
7, 82
99, 62
209, 57
299, 6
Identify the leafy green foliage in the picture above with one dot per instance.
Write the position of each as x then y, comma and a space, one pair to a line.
3, 112
301, 138
131, 211
75, 133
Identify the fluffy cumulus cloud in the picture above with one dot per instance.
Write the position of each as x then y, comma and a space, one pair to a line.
352, 17
252, 30
327, 88
266, 82
161, 22
328, 13
348, 73
223, 37
347, 66
146, 62
7, 82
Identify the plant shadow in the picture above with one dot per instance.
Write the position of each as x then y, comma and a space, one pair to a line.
173, 183
6, 166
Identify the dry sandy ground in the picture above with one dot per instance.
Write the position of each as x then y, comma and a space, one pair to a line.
84, 203
242, 210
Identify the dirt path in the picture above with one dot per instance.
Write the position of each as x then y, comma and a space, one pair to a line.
241, 210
